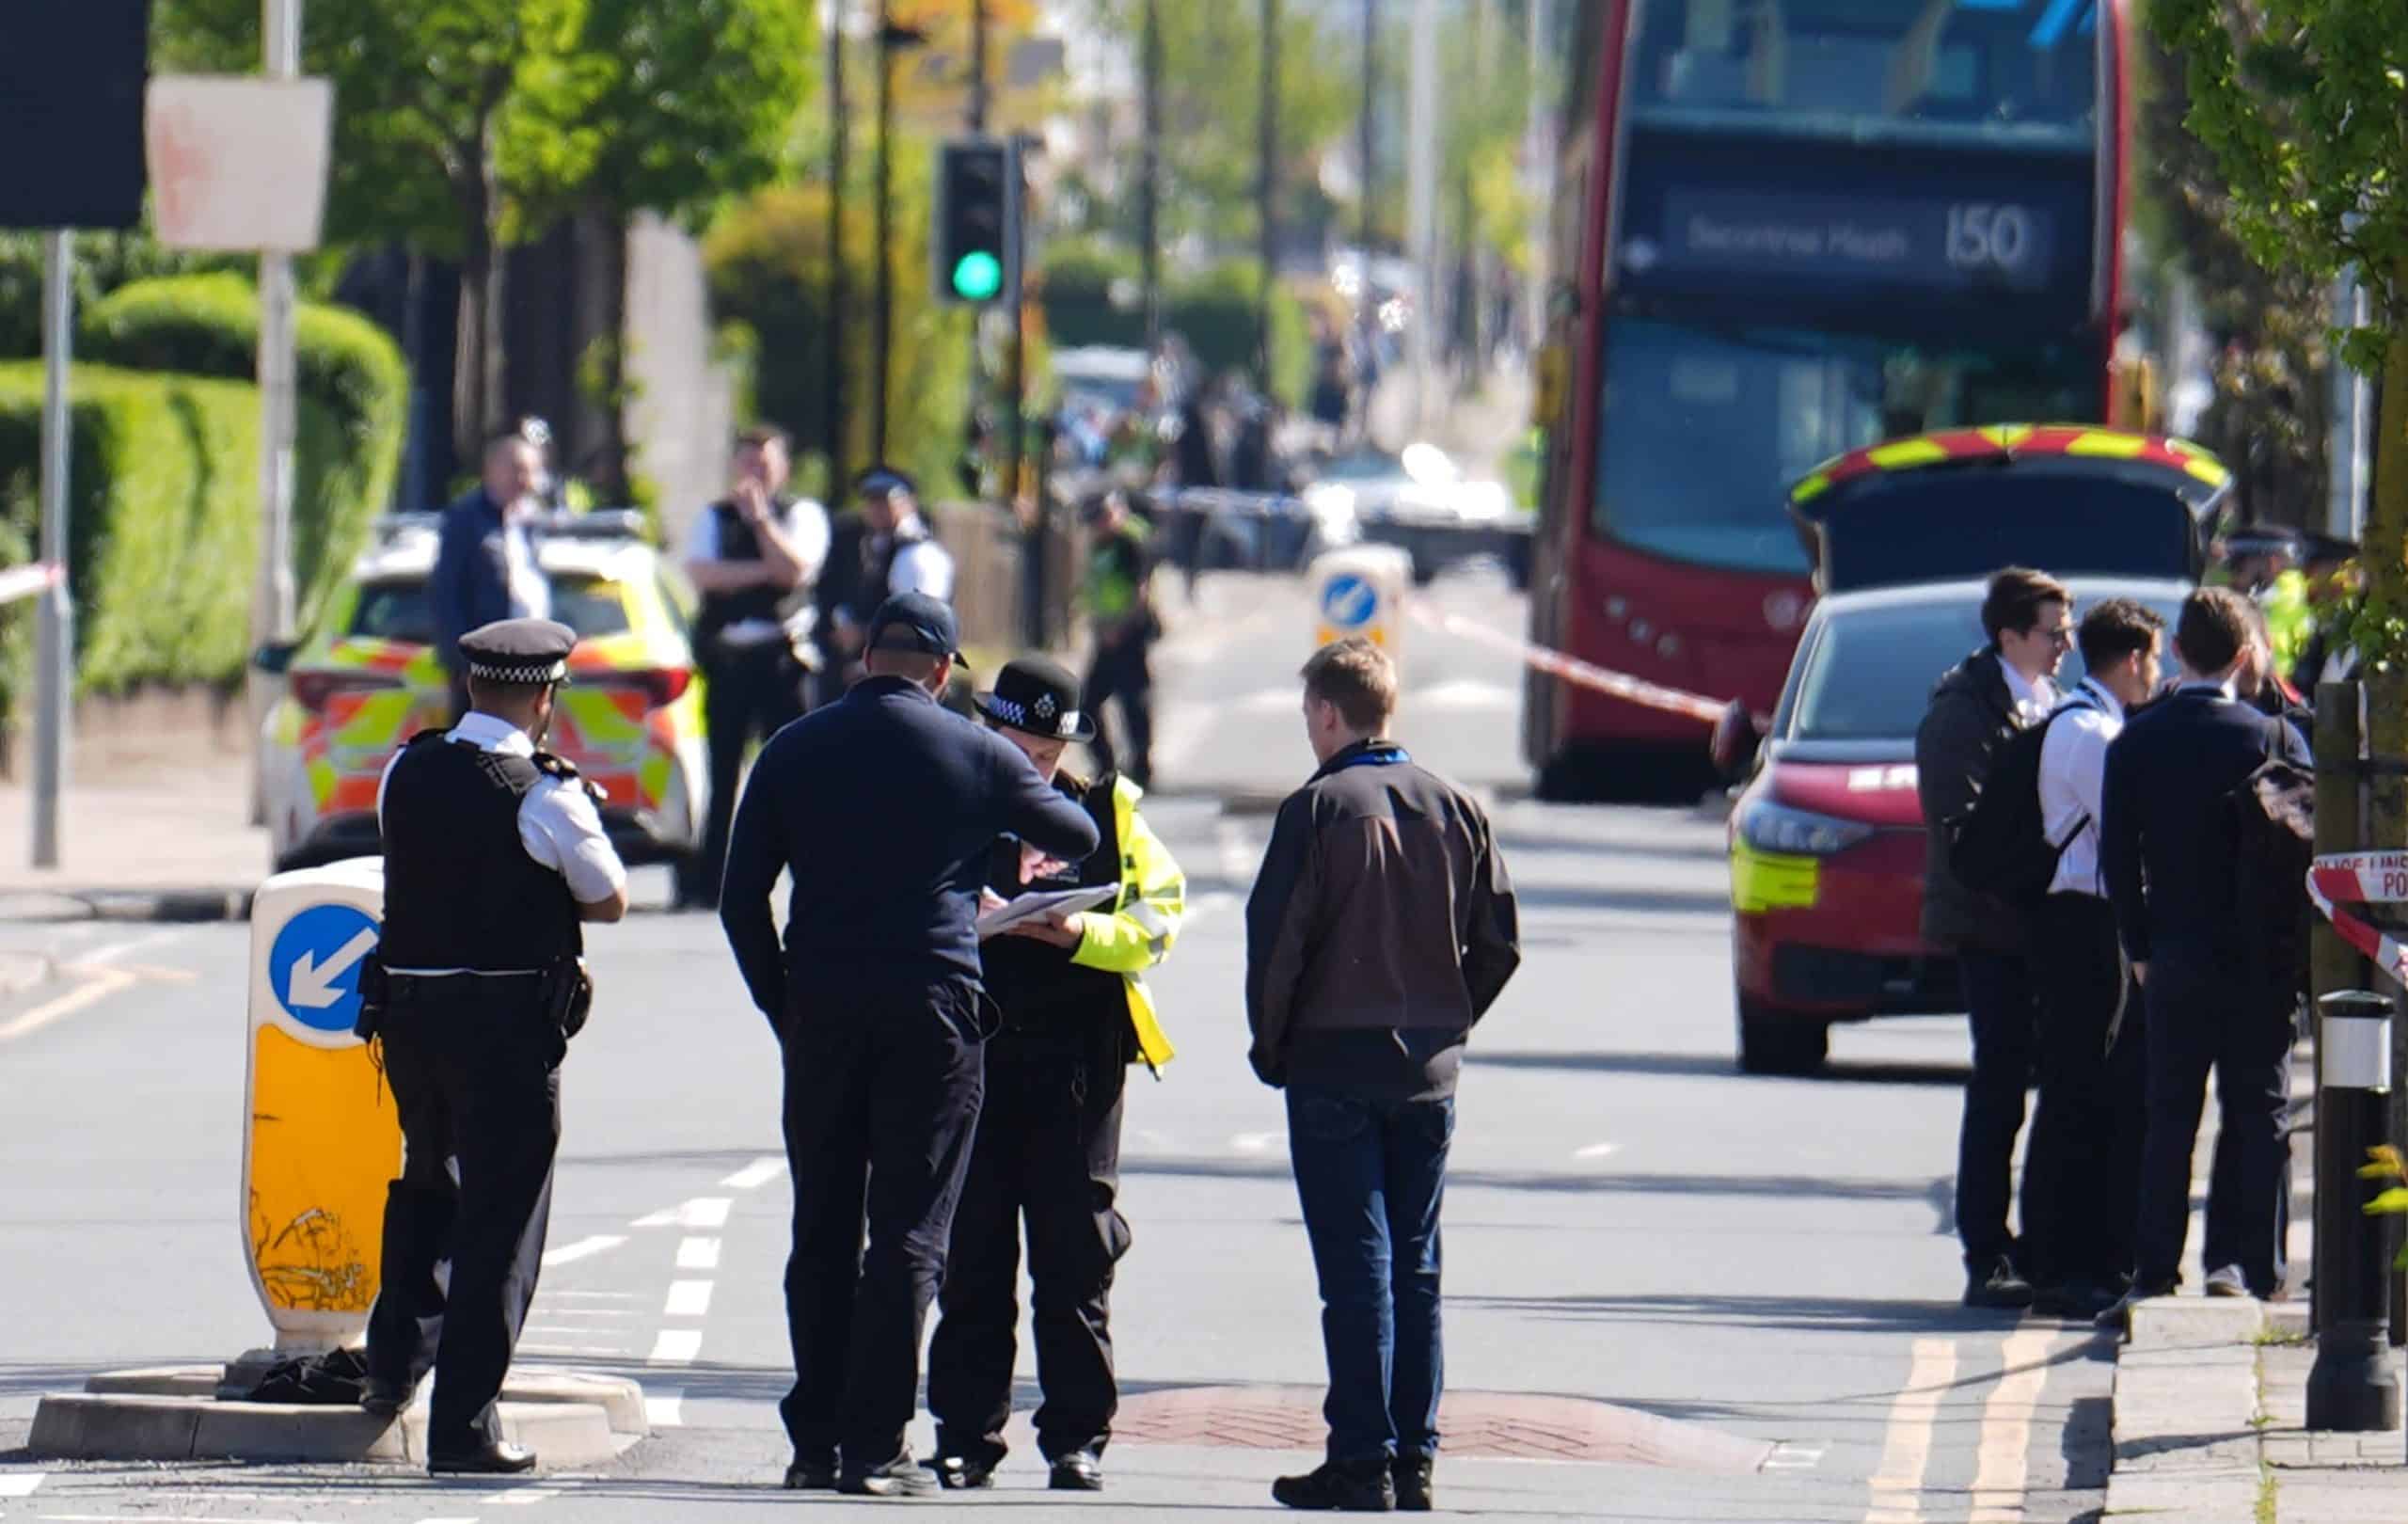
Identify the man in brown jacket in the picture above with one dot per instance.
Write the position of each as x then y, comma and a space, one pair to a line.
1381, 927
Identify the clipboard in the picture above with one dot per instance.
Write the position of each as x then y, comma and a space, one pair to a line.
1035, 906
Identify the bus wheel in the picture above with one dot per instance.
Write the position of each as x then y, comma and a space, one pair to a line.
1774, 1041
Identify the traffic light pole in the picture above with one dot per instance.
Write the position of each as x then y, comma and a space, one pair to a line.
832, 378
883, 314
1016, 380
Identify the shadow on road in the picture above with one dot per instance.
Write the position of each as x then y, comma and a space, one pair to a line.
1811, 1314
1601, 1181
1717, 1065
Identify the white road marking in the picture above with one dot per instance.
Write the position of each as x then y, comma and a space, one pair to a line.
585, 1249
698, 1254
550, 1311
1271, 701
572, 1349
1596, 1150
665, 1408
2002, 1463
665, 1217
1239, 854
1906, 1452
1463, 694
522, 1495
704, 1212
116, 950
591, 1296
755, 1175
676, 1346
1788, 1455
688, 1299
20, 1483
1258, 1142
1204, 907
447, 1521
103, 983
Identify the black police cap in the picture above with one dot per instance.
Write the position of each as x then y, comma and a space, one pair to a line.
521, 652
881, 480
1037, 697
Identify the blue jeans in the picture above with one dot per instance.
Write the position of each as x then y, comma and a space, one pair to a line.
1370, 1175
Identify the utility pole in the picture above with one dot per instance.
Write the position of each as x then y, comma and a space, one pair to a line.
281, 39
832, 380
1539, 150
1149, 233
2346, 452
883, 314
1367, 148
1267, 193
53, 647
1421, 200
978, 89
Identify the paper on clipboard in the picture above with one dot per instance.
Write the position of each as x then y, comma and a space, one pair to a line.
1035, 906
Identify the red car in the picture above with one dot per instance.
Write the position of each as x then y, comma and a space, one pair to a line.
1826, 837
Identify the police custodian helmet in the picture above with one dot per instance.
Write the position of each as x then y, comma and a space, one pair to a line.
524, 653
1037, 697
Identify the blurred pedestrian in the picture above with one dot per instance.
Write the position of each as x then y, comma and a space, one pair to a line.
486, 565
1123, 626
881, 811
2167, 849
1076, 1013
898, 553
1381, 927
2001, 688
755, 557
2085, 1160
494, 859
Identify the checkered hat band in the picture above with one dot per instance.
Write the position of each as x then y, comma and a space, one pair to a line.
522, 673
1016, 714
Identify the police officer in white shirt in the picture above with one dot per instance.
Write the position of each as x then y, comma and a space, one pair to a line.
2085, 1160
495, 855
899, 554
754, 558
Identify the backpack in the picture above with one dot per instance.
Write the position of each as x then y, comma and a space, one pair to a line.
2001, 845
2274, 813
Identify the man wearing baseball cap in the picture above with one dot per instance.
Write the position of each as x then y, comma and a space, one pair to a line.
882, 809
1076, 1014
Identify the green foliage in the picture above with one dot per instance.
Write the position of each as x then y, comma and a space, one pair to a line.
2300, 102
103, 263
2386, 1163
1214, 309
162, 518
352, 377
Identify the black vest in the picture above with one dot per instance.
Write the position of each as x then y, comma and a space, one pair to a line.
460, 890
736, 542
1036, 985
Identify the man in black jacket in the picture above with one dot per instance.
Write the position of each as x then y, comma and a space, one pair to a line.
2167, 846
1984, 700
1381, 927
882, 809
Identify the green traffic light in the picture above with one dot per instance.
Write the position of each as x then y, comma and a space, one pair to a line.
977, 276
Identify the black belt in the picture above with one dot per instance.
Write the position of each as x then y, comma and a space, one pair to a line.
454, 986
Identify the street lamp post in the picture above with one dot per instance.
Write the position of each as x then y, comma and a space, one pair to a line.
831, 399
892, 37
1268, 192
1149, 236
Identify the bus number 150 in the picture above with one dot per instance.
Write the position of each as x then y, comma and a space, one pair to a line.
1983, 236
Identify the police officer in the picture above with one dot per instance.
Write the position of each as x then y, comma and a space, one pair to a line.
1076, 1014
898, 553
494, 855
751, 555
882, 809
1120, 611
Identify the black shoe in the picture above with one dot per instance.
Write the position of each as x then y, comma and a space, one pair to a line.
1081, 1470
1412, 1474
2117, 1318
813, 1474
901, 1477
1343, 1489
2075, 1301
959, 1473
382, 1397
495, 1457
1998, 1287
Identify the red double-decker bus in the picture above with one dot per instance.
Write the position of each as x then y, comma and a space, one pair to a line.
1785, 230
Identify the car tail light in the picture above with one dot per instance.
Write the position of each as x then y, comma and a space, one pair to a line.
662, 686
312, 691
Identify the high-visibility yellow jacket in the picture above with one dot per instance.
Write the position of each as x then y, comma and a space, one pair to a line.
1137, 932
2289, 619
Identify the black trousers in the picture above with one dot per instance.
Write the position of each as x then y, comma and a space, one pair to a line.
2201, 1019
2082, 1171
745, 694
476, 1078
882, 1092
2005, 1020
1048, 1153
1122, 673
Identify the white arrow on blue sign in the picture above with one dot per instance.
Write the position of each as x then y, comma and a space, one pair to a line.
314, 966
1349, 601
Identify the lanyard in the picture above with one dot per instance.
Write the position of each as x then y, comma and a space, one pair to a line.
1378, 757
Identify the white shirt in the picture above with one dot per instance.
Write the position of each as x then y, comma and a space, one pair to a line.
921, 565
531, 591
2033, 697
2073, 780
556, 823
805, 523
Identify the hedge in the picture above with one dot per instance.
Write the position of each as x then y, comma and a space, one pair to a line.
350, 375
162, 518
1214, 309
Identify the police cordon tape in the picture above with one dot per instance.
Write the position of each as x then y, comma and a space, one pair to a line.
24, 581
1574, 670
2363, 879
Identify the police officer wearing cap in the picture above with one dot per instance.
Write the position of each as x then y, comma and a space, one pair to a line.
882, 810
1076, 1014
897, 552
494, 857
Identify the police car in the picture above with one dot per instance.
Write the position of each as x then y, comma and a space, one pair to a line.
630, 717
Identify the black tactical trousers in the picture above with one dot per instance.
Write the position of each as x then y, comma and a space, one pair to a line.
883, 1090
750, 692
1122, 673
476, 1078
1048, 1153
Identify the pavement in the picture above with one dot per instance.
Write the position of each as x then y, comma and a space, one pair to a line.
1673, 1291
